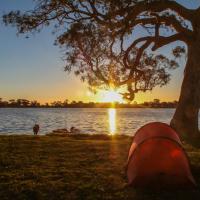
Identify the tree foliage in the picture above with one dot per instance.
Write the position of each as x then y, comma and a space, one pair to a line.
102, 42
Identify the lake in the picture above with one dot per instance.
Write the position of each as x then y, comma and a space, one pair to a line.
88, 120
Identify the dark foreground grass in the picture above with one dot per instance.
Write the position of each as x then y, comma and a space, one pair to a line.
75, 167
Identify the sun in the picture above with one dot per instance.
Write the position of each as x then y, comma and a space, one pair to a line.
111, 96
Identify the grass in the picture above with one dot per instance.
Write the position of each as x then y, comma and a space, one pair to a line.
75, 167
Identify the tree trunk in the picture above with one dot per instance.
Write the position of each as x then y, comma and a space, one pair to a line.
185, 119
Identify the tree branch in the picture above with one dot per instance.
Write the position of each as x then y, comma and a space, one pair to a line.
158, 6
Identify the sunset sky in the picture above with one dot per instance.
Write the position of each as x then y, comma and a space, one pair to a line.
33, 69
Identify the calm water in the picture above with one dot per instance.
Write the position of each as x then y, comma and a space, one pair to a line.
92, 121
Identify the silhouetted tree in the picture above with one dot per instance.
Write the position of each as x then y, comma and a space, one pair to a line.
47, 105
12, 103
103, 49
22, 102
25, 102
1, 103
34, 104
66, 102
73, 102
18, 102
57, 104
157, 101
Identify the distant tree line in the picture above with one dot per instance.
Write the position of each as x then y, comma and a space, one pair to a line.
24, 103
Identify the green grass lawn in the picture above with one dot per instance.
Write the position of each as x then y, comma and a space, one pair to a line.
75, 167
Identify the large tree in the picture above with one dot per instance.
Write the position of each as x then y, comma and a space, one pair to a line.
118, 43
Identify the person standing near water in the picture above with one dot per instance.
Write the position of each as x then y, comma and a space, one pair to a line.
36, 129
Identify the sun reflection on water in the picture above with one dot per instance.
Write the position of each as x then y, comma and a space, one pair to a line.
112, 120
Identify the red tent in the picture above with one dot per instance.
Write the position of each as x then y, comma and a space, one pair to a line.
157, 159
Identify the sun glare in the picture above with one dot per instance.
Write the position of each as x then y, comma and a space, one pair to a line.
111, 96
112, 120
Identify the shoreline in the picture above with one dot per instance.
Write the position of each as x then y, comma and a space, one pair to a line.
94, 107
60, 134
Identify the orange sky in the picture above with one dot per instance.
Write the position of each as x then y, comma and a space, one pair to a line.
33, 69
